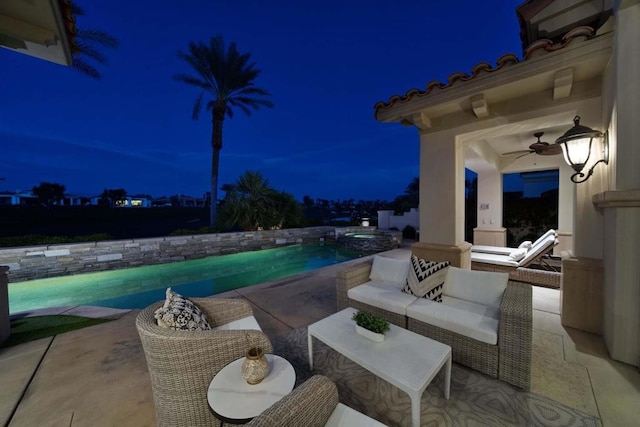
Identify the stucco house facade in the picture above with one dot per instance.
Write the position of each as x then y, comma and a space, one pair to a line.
580, 58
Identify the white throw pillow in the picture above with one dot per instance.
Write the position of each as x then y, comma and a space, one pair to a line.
389, 270
526, 245
482, 287
426, 278
518, 254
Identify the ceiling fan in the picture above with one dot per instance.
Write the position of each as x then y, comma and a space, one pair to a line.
539, 147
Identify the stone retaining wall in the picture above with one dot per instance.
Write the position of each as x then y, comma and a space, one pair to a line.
37, 262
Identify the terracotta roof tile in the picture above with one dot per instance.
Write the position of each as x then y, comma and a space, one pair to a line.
69, 24
535, 48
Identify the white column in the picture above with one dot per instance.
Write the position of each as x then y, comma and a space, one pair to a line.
441, 189
621, 205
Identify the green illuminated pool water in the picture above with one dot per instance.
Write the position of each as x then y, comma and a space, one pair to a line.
138, 287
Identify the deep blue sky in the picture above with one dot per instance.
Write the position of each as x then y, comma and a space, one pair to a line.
326, 64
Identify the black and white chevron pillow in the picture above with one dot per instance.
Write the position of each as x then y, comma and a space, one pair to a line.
426, 278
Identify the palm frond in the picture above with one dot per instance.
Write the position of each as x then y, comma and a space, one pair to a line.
194, 81
226, 74
90, 51
197, 106
98, 37
88, 70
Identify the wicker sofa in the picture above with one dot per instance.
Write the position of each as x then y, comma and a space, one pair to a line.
509, 359
312, 404
182, 363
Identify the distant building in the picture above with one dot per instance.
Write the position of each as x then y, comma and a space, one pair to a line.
16, 198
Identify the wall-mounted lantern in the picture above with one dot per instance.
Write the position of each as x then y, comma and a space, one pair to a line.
576, 146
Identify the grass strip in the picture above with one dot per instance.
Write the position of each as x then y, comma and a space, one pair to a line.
27, 329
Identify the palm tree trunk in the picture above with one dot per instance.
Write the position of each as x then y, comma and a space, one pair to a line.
217, 119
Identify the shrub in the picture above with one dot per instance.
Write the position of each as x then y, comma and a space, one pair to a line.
369, 321
409, 232
187, 231
37, 239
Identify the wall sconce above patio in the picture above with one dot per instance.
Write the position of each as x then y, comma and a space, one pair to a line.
576, 146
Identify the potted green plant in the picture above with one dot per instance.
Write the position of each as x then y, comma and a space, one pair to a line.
370, 326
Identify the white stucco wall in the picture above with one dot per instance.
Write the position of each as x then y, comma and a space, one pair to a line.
489, 195
387, 220
621, 240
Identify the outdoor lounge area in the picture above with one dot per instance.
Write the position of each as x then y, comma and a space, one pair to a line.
99, 375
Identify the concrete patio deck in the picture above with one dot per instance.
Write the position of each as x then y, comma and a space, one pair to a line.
97, 376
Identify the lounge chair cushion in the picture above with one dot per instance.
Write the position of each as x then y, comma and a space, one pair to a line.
463, 317
481, 287
518, 254
526, 245
494, 259
180, 313
389, 270
382, 295
426, 278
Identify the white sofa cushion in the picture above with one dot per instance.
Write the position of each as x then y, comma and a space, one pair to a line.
389, 270
248, 322
344, 416
383, 295
482, 287
426, 278
472, 320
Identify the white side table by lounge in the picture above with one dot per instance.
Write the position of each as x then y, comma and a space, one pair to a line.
234, 401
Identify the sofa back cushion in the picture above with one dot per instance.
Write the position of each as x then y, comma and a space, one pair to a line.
389, 270
482, 287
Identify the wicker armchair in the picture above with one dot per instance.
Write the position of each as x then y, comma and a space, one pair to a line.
313, 404
182, 363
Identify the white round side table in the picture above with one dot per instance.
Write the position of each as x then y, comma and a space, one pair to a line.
234, 401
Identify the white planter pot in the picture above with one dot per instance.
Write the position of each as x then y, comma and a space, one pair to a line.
370, 335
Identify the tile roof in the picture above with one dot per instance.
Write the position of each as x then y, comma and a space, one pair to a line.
534, 49
69, 21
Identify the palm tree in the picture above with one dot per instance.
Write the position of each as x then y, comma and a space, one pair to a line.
88, 42
228, 77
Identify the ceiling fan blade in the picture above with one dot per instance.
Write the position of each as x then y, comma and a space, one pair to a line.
518, 152
526, 154
551, 150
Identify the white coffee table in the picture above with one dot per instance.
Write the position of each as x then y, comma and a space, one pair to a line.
405, 359
234, 401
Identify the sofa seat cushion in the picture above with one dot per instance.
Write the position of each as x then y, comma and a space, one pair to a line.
383, 295
472, 320
343, 416
248, 322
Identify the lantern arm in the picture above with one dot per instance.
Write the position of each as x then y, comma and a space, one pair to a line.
579, 177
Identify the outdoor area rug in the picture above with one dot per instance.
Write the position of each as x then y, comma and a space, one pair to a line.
476, 399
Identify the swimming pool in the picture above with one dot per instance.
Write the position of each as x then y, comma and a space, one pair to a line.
138, 287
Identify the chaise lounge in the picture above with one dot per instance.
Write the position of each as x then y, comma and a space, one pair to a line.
515, 261
484, 317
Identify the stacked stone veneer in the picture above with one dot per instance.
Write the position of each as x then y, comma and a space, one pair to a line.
37, 262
